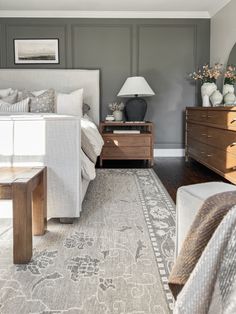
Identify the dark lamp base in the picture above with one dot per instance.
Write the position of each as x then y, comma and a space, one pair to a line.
135, 109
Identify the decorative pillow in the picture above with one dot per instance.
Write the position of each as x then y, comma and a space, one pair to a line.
11, 98
41, 103
86, 108
70, 103
5, 92
21, 106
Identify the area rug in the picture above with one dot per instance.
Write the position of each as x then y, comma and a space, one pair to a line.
115, 259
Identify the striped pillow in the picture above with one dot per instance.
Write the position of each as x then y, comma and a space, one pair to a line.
21, 106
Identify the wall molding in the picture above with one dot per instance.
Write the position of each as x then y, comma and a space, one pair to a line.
169, 152
218, 7
107, 14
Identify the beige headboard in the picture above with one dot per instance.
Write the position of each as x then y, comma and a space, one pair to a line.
61, 80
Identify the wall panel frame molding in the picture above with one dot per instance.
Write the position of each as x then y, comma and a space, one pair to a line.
122, 48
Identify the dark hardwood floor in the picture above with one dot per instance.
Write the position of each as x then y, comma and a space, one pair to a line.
173, 172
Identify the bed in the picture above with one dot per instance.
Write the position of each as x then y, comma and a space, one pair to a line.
49, 139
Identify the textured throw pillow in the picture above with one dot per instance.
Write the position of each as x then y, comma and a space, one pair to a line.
11, 98
41, 103
86, 108
70, 103
21, 106
5, 92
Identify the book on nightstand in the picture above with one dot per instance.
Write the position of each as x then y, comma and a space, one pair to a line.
126, 131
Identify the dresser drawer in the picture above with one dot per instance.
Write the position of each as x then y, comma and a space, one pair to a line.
126, 152
197, 115
197, 132
225, 119
221, 160
222, 139
197, 149
132, 140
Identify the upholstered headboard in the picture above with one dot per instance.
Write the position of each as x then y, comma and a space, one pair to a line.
61, 80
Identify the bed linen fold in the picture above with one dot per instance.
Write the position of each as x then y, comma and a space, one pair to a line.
207, 220
211, 287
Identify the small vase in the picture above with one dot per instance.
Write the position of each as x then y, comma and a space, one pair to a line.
216, 98
228, 88
118, 115
207, 90
229, 99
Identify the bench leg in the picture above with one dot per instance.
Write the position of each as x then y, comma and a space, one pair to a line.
22, 223
39, 203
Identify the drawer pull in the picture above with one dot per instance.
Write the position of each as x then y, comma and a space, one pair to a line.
209, 116
209, 136
202, 153
233, 144
108, 141
209, 155
203, 134
234, 120
203, 115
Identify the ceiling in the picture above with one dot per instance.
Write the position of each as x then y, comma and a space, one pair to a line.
165, 8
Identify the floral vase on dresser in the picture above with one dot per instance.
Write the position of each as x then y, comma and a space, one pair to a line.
229, 99
216, 98
207, 90
118, 115
228, 88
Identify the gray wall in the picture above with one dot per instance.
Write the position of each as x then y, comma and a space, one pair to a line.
163, 51
223, 33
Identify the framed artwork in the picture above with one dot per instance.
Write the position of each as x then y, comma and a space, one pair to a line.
36, 51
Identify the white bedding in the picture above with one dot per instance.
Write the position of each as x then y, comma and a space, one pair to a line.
91, 144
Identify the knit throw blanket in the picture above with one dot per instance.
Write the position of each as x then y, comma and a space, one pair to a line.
206, 221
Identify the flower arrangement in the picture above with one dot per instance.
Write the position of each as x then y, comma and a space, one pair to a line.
230, 75
207, 74
116, 106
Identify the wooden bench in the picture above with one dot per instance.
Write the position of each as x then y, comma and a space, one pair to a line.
27, 187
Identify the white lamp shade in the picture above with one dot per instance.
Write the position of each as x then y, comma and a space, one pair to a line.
135, 85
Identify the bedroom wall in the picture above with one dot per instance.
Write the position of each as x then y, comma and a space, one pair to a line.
162, 50
223, 33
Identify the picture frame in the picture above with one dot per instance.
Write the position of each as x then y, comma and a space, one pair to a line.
36, 51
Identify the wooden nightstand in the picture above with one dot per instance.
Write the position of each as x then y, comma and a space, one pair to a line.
127, 145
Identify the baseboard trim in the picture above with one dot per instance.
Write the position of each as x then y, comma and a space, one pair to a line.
169, 152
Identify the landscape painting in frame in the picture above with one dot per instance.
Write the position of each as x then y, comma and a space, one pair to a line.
40, 51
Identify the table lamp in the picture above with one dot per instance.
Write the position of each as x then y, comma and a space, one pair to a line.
134, 88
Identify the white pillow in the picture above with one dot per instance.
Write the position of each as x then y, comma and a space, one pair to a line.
71, 104
5, 92
21, 106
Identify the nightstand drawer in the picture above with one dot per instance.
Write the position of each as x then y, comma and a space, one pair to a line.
126, 152
132, 140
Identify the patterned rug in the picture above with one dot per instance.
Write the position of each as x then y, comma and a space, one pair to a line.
114, 259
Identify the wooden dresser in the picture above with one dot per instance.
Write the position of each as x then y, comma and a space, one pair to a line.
127, 146
211, 138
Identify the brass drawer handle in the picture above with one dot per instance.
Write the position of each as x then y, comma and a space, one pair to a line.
203, 134
234, 120
209, 136
209, 155
209, 116
233, 144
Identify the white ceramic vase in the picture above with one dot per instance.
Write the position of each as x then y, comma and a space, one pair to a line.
207, 90
229, 99
228, 88
216, 98
118, 115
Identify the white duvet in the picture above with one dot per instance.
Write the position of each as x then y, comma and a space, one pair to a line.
93, 148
